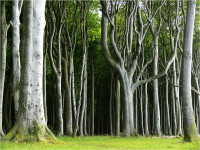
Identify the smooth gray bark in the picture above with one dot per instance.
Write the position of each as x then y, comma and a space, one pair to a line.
3, 46
68, 99
190, 130
126, 67
57, 68
110, 103
117, 104
30, 116
146, 128
17, 5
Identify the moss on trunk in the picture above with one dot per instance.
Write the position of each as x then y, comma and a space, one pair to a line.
37, 133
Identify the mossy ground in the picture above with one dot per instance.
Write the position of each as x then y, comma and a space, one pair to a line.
106, 142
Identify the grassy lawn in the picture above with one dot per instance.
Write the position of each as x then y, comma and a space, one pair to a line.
106, 142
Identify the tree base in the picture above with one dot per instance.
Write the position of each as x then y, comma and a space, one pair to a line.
37, 133
1, 134
133, 133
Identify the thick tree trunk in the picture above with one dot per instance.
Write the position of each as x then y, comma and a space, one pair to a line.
30, 116
128, 124
190, 130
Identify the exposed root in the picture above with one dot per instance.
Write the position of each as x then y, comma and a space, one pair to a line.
38, 133
135, 133
180, 134
1, 134
43, 134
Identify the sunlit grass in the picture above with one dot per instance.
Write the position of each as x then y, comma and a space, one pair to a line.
106, 142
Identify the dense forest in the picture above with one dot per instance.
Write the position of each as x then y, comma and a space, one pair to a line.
117, 67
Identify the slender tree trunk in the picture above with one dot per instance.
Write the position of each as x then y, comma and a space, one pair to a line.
198, 104
83, 109
6, 101
190, 130
92, 99
141, 110
155, 91
110, 103
58, 73
173, 111
3, 46
17, 5
136, 110
168, 127
68, 100
44, 80
117, 104
146, 111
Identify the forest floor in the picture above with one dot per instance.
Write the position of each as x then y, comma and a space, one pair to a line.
106, 142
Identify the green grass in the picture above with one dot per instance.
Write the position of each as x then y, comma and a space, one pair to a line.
106, 142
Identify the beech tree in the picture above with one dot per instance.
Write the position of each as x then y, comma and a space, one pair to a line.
3, 45
190, 130
30, 116
17, 6
126, 66
121, 48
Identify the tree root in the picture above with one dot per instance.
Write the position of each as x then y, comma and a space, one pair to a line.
37, 133
1, 134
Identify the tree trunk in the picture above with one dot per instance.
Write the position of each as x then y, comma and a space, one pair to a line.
128, 124
173, 111
146, 111
155, 91
117, 103
141, 110
190, 130
68, 100
6, 102
168, 127
15, 52
3, 43
44, 79
30, 117
110, 103
92, 99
